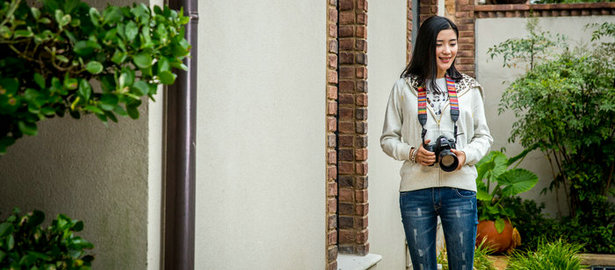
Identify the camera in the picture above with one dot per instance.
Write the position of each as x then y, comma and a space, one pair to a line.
442, 148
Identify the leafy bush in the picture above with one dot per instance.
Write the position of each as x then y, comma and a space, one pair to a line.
554, 255
25, 245
53, 55
481, 258
565, 106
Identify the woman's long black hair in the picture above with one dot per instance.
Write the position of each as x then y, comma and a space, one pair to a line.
423, 64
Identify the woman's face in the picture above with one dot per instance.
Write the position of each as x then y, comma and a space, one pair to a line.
446, 50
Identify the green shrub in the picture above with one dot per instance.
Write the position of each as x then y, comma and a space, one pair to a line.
548, 256
481, 258
25, 245
53, 55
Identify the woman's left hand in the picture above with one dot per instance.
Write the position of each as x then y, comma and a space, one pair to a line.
461, 156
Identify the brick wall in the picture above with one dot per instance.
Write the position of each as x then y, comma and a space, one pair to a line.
352, 127
464, 19
409, 25
544, 10
331, 143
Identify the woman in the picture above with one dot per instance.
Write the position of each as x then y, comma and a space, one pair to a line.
431, 108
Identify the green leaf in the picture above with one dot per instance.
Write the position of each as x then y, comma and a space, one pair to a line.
94, 16
85, 90
22, 33
36, 13
143, 60
8, 86
517, 181
132, 30
10, 242
127, 77
39, 80
4, 228
499, 225
141, 88
93, 109
44, 21
166, 77
94, 67
27, 128
58, 14
65, 20
108, 102
78, 226
163, 65
112, 15
118, 57
71, 83
62, 58
5, 32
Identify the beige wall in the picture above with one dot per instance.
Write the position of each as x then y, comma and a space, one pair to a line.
108, 177
491, 75
261, 135
387, 56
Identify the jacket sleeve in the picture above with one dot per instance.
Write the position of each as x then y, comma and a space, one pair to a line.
481, 141
391, 139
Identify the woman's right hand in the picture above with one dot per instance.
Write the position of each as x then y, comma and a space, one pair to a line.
424, 157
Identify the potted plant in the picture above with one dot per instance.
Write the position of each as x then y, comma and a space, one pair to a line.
500, 182
55, 55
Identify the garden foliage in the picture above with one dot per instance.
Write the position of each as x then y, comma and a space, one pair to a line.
548, 256
25, 245
565, 106
55, 56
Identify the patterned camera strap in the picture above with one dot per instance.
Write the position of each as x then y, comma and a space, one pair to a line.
452, 97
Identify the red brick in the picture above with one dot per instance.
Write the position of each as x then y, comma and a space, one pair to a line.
332, 92
465, 53
331, 188
466, 34
361, 127
331, 157
361, 154
346, 4
332, 256
345, 195
331, 76
332, 238
346, 31
346, 99
347, 17
346, 114
362, 5
346, 140
462, 60
332, 172
361, 142
346, 181
346, 154
332, 14
332, 30
361, 209
362, 86
332, 61
346, 58
347, 86
331, 124
361, 58
361, 168
333, 264
361, 32
362, 250
361, 222
331, 140
360, 182
361, 100
332, 46
346, 209
346, 44
362, 72
331, 205
362, 18
346, 127
361, 113
361, 45
332, 108
346, 72
362, 237
360, 195
346, 168
347, 236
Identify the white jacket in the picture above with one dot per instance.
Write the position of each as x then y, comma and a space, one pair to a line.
402, 131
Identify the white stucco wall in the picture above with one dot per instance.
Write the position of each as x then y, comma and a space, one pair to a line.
491, 74
261, 135
109, 177
387, 58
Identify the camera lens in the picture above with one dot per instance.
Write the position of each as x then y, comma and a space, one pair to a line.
448, 161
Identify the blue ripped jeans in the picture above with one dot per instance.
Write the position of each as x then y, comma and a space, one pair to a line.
457, 211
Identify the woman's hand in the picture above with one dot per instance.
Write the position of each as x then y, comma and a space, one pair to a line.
461, 156
425, 157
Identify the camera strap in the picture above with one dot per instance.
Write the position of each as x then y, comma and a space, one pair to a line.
452, 97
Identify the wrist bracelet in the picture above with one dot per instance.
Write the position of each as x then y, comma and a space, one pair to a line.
414, 155
412, 150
